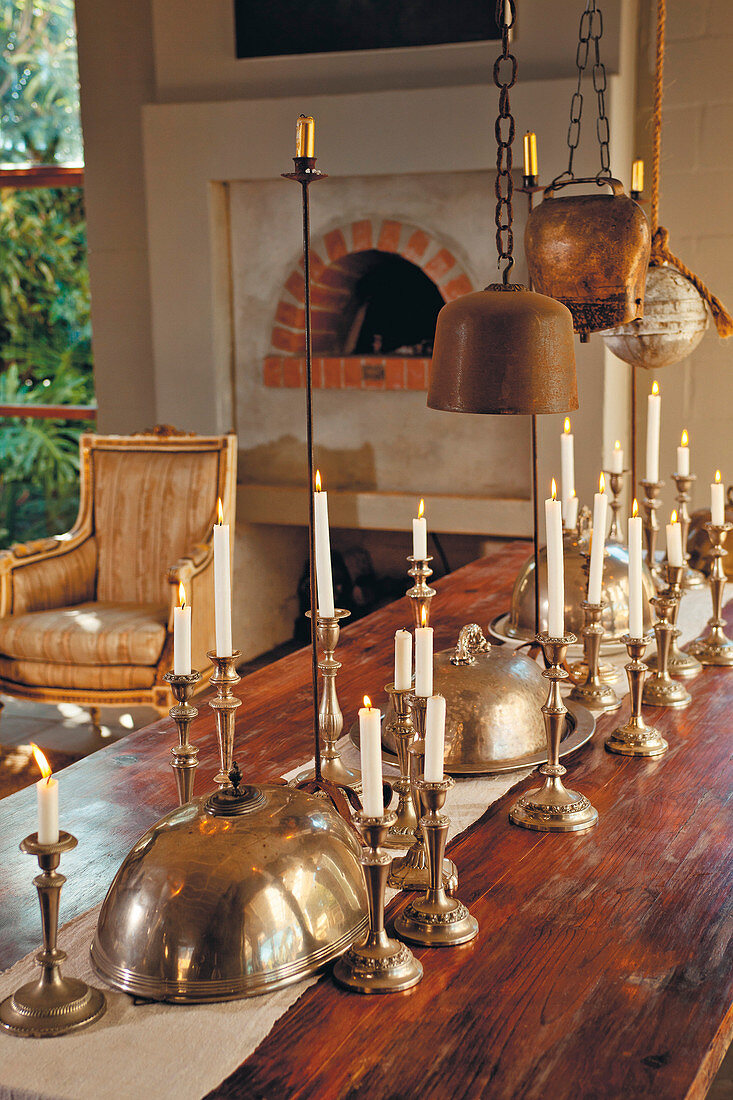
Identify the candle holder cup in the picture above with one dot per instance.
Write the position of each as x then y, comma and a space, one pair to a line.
661, 690
330, 718
436, 920
185, 755
402, 832
634, 737
594, 692
616, 483
411, 871
691, 578
678, 663
52, 1005
554, 808
378, 964
715, 647
651, 505
420, 595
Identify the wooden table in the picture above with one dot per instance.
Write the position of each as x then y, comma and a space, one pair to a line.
603, 967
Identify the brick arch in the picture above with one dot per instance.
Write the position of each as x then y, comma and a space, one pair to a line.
336, 267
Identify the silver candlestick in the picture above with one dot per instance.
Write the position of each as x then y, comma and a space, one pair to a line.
715, 647
330, 718
402, 832
660, 690
616, 483
691, 578
678, 663
420, 595
634, 737
593, 692
651, 504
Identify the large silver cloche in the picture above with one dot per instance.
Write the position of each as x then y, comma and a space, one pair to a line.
520, 625
493, 708
212, 908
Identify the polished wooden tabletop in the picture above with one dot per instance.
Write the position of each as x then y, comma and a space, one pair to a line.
603, 967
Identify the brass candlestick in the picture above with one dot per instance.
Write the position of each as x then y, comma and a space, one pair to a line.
224, 705
553, 808
715, 648
52, 1005
330, 718
660, 690
634, 737
185, 755
411, 872
378, 964
616, 482
650, 503
678, 663
402, 833
436, 920
420, 594
692, 578
593, 692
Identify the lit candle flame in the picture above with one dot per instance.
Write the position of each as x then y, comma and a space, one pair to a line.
318, 481
717, 476
554, 489
367, 702
635, 508
655, 388
42, 762
566, 425
685, 438
601, 483
423, 616
673, 517
219, 511
181, 595
617, 445
421, 510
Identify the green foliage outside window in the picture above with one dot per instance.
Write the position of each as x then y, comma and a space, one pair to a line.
45, 329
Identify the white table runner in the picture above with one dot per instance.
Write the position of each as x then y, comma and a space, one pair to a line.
159, 1050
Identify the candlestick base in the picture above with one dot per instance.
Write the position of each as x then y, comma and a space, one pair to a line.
436, 920
378, 964
52, 1005
634, 737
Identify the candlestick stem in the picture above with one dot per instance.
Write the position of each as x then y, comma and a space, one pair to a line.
185, 755
435, 920
411, 872
378, 964
616, 482
420, 594
651, 504
660, 690
634, 737
691, 578
51, 1005
553, 808
593, 692
402, 832
715, 647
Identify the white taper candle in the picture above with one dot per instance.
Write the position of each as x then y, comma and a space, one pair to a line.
674, 541
370, 742
403, 660
616, 465
567, 468
324, 577
420, 534
434, 739
555, 566
683, 456
182, 636
653, 426
636, 610
222, 587
598, 544
717, 501
424, 661
47, 800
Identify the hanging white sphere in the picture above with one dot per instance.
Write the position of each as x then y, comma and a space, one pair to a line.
674, 322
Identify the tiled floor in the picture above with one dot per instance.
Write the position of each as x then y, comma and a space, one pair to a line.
67, 726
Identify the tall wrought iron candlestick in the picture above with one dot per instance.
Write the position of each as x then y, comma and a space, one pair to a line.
379, 964
306, 173
402, 832
678, 663
420, 595
410, 872
634, 737
185, 755
593, 692
616, 482
651, 504
436, 920
224, 705
715, 648
330, 718
51, 1005
553, 808
691, 578
660, 690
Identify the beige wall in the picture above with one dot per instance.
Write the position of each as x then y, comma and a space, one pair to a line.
697, 158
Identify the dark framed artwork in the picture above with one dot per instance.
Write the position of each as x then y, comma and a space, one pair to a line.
272, 28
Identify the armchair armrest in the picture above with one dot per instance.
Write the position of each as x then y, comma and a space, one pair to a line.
49, 572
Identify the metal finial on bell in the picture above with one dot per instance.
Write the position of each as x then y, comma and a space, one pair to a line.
504, 350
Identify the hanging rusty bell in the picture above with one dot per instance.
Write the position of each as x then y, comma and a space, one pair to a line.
591, 252
505, 349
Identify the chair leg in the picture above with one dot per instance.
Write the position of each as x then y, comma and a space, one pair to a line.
96, 719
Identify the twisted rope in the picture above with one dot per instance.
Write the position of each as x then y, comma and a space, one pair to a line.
661, 253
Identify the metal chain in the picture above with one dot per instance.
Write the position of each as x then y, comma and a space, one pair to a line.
590, 30
504, 132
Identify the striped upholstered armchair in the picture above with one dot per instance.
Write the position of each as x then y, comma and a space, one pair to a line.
87, 617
